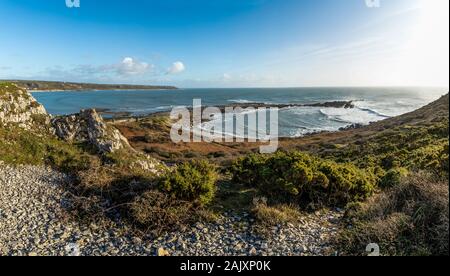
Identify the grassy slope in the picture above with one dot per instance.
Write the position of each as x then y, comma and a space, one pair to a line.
20, 147
410, 215
417, 140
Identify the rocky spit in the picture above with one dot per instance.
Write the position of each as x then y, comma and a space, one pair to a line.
33, 221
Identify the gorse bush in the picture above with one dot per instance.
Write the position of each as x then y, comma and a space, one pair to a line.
302, 178
194, 182
416, 148
393, 177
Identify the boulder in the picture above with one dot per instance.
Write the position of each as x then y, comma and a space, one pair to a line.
88, 126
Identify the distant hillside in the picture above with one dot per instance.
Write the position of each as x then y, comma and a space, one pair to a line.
62, 86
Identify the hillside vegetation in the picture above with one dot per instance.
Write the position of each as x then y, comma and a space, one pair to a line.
359, 169
392, 176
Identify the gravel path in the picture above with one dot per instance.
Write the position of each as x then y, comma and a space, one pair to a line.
33, 222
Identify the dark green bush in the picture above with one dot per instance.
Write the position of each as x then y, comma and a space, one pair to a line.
194, 182
393, 177
302, 178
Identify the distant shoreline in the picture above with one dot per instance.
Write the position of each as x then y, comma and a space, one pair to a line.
57, 86
94, 90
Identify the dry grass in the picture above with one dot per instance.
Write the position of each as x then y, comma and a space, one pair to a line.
409, 219
269, 216
155, 212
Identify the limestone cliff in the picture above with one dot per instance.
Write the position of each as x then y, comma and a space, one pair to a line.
18, 107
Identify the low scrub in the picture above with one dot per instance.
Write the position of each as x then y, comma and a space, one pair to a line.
411, 218
393, 177
153, 203
419, 147
116, 179
301, 178
194, 182
156, 212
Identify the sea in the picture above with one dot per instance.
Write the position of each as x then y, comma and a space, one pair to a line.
371, 104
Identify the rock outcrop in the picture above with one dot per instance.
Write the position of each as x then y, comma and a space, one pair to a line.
18, 107
88, 126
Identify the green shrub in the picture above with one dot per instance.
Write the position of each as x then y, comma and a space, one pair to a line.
393, 177
302, 178
390, 161
245, 170
190, 155
194, 182
418, 147
217, 154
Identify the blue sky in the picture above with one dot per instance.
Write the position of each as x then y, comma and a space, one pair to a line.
227, 43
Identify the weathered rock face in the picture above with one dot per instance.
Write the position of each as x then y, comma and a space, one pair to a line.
88, 126
18, 107
147, 163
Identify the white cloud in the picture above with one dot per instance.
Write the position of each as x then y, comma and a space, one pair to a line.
127, 69
226, 77
176, 68
129, 66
